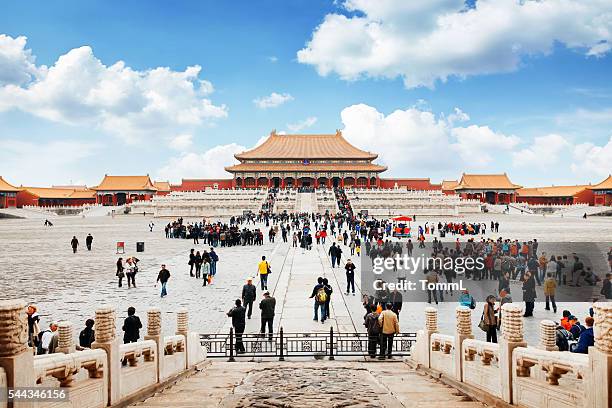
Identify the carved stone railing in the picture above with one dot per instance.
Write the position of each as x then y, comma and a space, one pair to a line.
547, 379
140, 366
441, 355
480, 361
96, 377
513, 373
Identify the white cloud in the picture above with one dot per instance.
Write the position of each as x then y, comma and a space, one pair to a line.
272, 101
35, 163
458, 116
273, 59
17, 65
424, 42
479, 145
209, 164
591, 160
544, 153
181, 142
302, 124
130, 104
408, 141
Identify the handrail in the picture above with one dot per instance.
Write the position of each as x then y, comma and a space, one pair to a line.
64, 366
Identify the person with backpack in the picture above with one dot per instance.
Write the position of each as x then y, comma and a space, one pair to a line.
48, 340
87, 335
372, 328
320, 298
489, 318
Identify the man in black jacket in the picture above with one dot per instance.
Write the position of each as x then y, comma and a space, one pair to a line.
267, 306
237, 314
131, 327
249, 294
88, 241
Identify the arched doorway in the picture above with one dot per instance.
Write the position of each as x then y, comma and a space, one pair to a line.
289, 182
276, 182
322, 181
372, 182
336, 182
349, 182
121, 198
362, 182
239, 182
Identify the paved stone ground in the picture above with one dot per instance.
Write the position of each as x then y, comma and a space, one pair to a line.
38, 266
313, 384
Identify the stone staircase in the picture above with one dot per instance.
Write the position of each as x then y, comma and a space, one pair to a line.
309, 384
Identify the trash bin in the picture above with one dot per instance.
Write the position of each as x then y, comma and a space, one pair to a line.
140, 247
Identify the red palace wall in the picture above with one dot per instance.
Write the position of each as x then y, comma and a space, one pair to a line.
410, 184
25, 198
584, 197
202, 184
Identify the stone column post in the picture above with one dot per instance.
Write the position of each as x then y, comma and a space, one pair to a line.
154, 333
431, 327
512, 337
106, 339
600, 358
65, 343
182, 327
16, 358
548, 335
464, 331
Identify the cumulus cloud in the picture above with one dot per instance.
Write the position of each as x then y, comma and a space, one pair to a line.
425, 42
479, 145
79, 89
209, 164
302, 124
272, 101
458, 116
592, 160
544, 152
181, 142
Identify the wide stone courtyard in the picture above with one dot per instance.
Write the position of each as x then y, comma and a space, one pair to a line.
38, 265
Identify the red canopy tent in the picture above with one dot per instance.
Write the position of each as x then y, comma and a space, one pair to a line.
402, 218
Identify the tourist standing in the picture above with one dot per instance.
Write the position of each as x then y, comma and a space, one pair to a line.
162, 277
74, 244
373, 329
214, 258
191, 262
529, 294
120, 274
87, 335
320, 298
131, 328
328, 292
88, 241
264, 270
49, 340
267, 306
198, 264
550, 287
33, 325
489, 317
350, 276
389, 325
239, 323
333, 254
249, 294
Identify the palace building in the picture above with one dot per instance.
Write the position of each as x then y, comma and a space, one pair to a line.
285, 161
488, 188
8, 194
602, 192
119, 190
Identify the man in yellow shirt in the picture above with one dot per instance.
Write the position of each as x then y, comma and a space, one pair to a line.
264, 270
389, 324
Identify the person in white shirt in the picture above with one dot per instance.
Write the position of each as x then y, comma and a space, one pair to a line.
49, 340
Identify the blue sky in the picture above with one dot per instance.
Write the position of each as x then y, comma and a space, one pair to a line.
524, 91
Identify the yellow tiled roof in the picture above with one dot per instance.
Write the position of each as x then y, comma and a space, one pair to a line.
486, 181
126, 183
5, 186
306, 147
327, 167
449, 184
56, 193
162, 185
552, 191
604, 185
